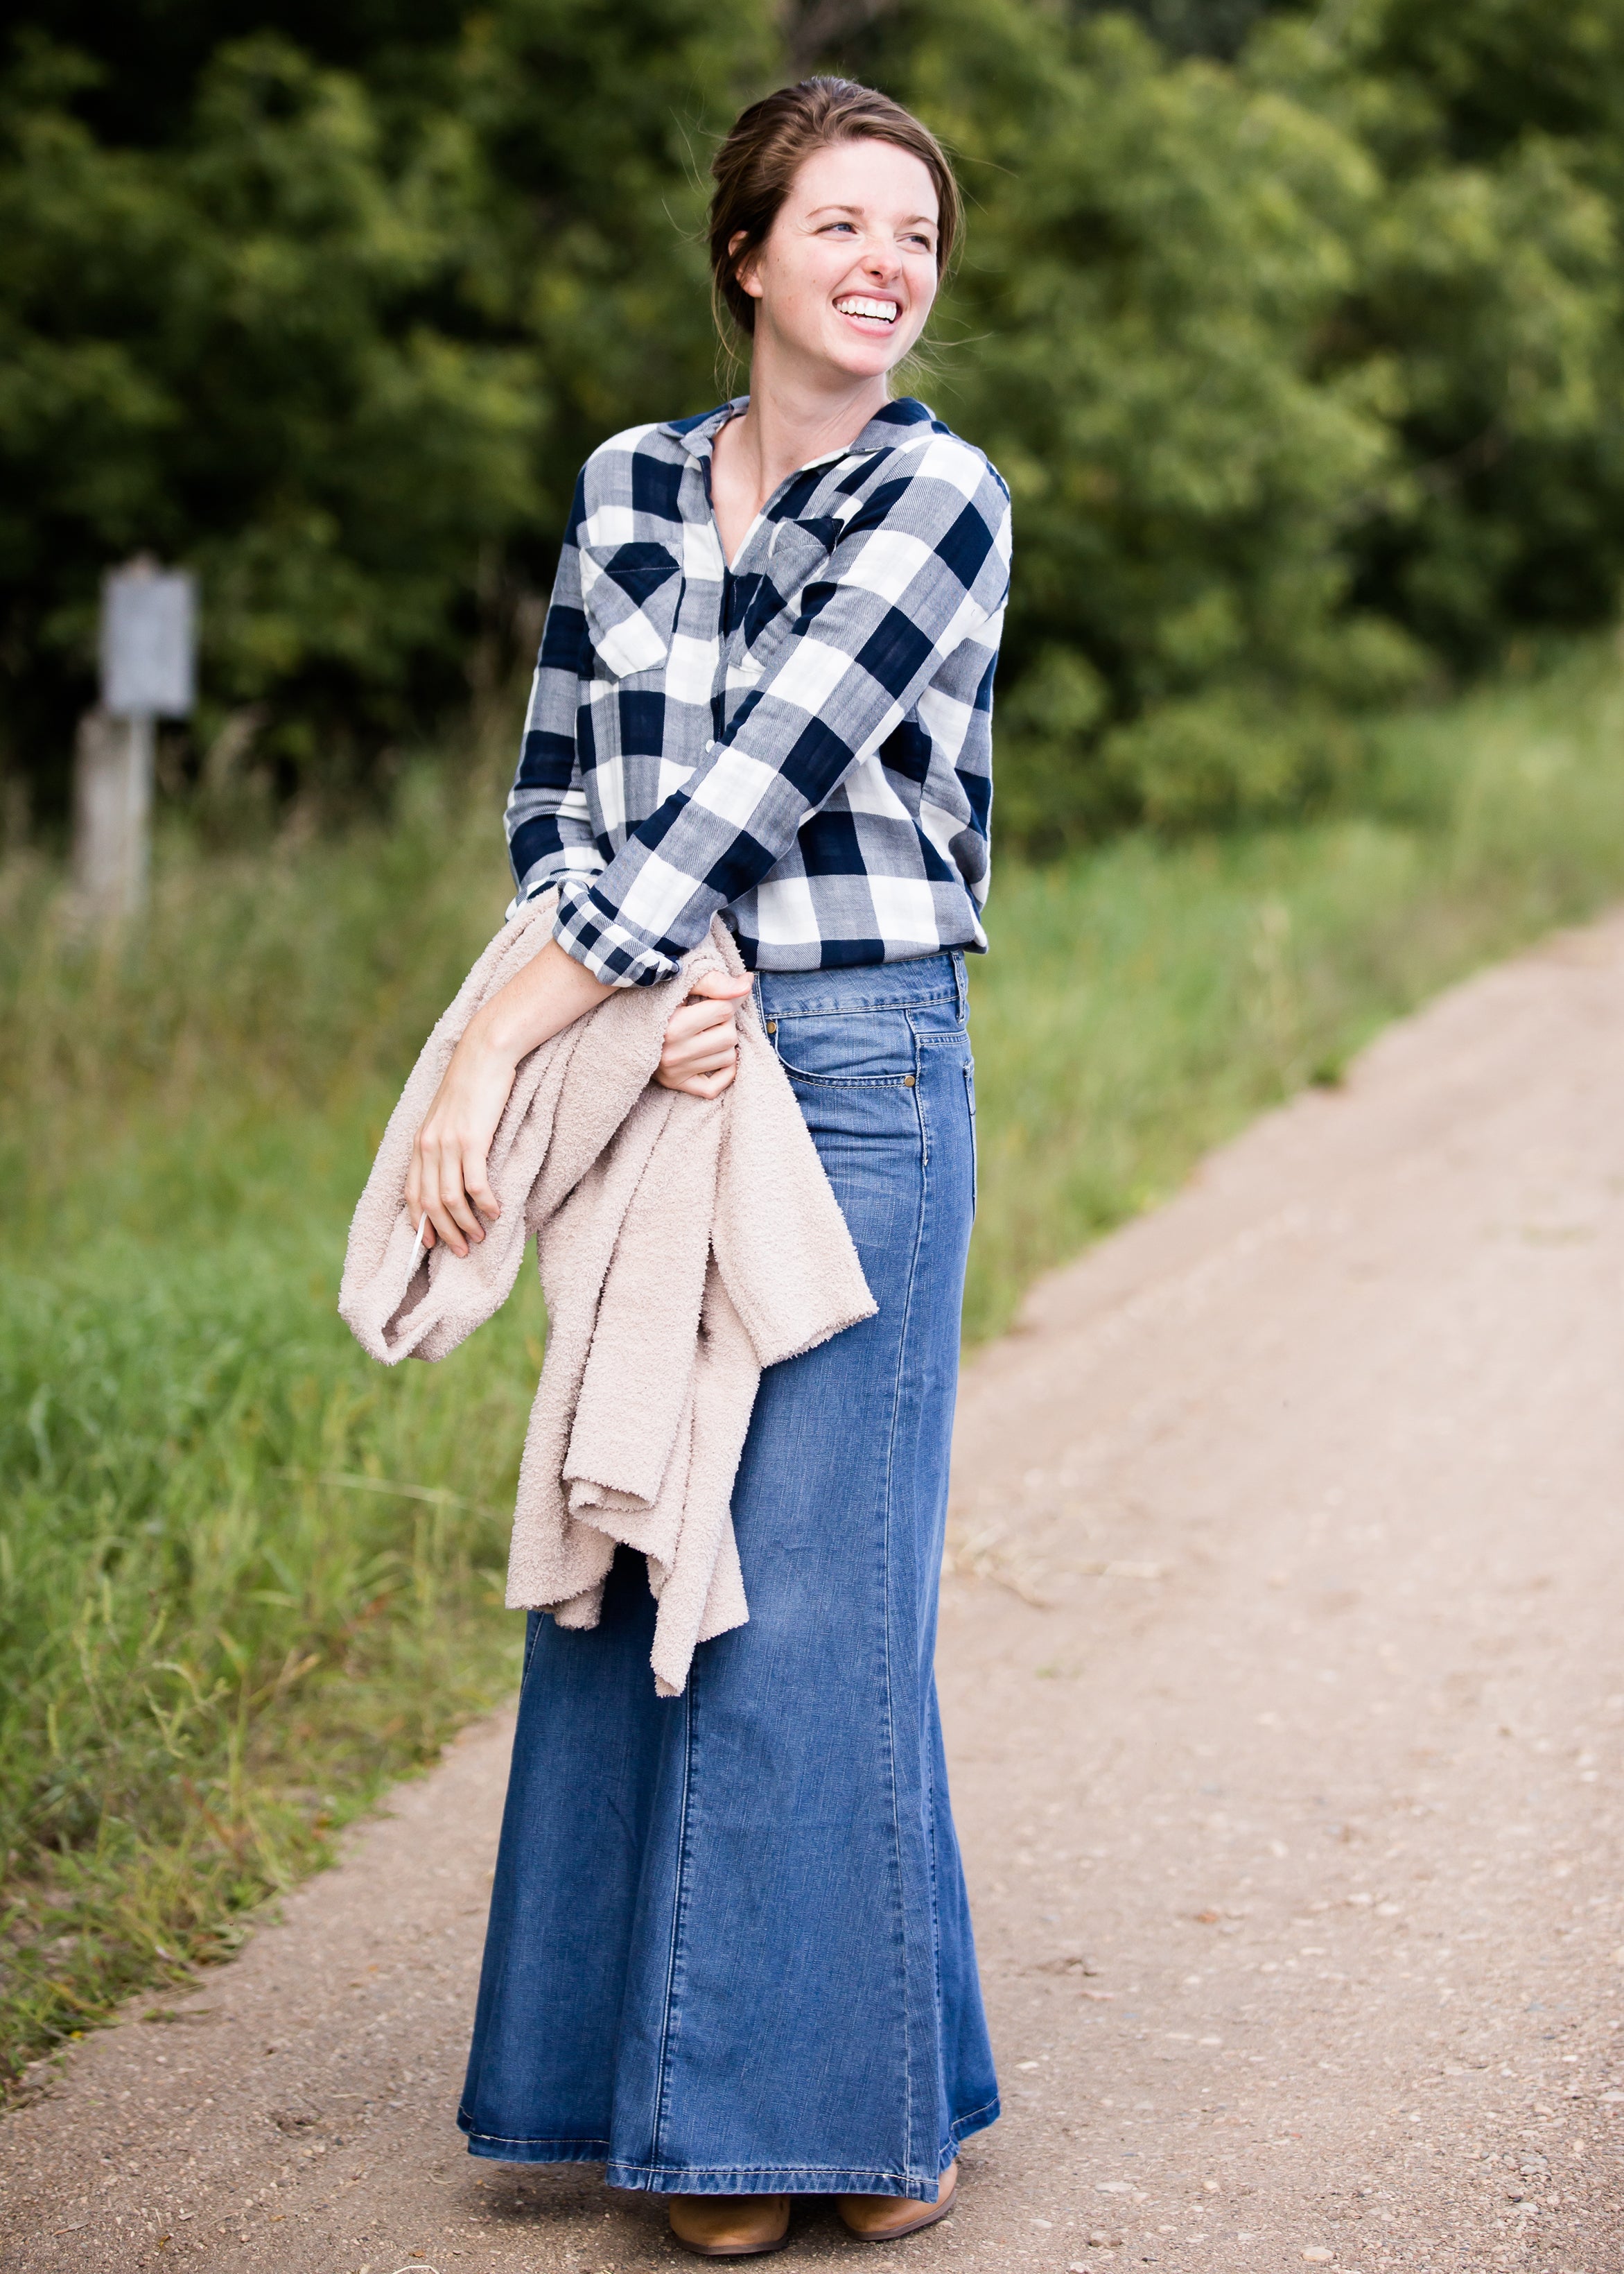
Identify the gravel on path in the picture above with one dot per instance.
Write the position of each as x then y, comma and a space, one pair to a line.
1283, 1656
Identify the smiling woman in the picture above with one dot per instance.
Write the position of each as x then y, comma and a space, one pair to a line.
834, 217
730, 1949
843, 283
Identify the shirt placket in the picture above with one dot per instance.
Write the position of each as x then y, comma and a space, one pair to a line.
756, 558
730, 646
703, 602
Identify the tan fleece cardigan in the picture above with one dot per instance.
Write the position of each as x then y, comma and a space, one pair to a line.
683, 1244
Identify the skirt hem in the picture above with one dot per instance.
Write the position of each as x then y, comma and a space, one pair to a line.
733, 2179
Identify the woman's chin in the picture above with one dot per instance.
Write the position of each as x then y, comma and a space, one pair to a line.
862, 355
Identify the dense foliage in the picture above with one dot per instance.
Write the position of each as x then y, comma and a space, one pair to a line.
337, 332
1303, 370
1297, 332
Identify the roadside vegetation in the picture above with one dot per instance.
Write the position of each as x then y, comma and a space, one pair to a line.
246, 1577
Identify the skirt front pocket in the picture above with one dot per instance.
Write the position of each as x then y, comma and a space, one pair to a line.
874, 1048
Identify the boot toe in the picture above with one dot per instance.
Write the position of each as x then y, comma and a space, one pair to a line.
730, 2227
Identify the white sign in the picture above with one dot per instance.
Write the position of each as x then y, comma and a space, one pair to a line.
148, 643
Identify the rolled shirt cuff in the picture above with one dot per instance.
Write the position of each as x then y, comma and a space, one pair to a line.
585, 929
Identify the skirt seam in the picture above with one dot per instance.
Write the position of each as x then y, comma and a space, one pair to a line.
673, 1966
899, 1398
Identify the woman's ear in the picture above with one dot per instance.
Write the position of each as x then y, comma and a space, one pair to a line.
744, 274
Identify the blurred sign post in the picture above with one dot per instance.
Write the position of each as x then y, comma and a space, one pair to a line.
148, 656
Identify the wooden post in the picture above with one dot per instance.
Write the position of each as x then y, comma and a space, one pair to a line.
148, 644
112, 811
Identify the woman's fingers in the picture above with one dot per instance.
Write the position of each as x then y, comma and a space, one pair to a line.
699, 1011
437, 1201
705, 1084
460, 1209
443, 1224
681, 1066
722, 986
709, 1050
477, 1185
706, 1055
687, 1054
710, 1003
449, 1182
697, 1019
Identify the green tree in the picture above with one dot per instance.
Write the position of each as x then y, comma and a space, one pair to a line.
1298, 333
338, 338
1301, 369
221, 352
1489, 288
1156, 247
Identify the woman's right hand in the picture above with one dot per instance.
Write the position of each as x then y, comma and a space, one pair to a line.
448, 1180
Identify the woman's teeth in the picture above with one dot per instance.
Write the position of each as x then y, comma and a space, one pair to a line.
884, 312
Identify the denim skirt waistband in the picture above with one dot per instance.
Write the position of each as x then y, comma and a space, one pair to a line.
865, 987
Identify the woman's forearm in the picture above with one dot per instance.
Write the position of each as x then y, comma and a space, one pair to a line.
551, 993
447, 1189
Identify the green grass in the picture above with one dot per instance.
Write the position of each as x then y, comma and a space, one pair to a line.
1144, 1002
245, 1575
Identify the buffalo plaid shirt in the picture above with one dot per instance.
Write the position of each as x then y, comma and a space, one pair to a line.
803, 740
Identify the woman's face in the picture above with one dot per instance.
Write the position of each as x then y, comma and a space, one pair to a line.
848, 271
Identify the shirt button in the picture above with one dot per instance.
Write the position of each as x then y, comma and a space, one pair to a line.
907, 1082
773, 1025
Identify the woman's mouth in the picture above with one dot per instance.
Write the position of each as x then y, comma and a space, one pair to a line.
875, 315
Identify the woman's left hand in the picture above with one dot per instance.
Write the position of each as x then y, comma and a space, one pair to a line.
700, 1056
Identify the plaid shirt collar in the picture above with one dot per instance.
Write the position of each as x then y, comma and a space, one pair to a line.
883, 432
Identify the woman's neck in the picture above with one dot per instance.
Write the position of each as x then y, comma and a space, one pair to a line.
792, 418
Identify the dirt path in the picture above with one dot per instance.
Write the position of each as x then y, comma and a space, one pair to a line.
1283, 1657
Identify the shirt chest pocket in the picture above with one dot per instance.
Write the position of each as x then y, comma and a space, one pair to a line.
630, 593
799, 554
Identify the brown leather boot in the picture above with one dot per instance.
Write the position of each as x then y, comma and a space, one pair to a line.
885, 2219
730, 2227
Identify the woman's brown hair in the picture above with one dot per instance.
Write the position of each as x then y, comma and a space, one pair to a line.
769, 144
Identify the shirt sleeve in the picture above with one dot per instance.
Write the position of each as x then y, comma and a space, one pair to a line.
920, 566
549, 830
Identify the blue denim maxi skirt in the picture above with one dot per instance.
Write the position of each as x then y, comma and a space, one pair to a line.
729, 1949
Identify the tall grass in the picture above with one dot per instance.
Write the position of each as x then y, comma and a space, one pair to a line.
1144, 1002
245, 1575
